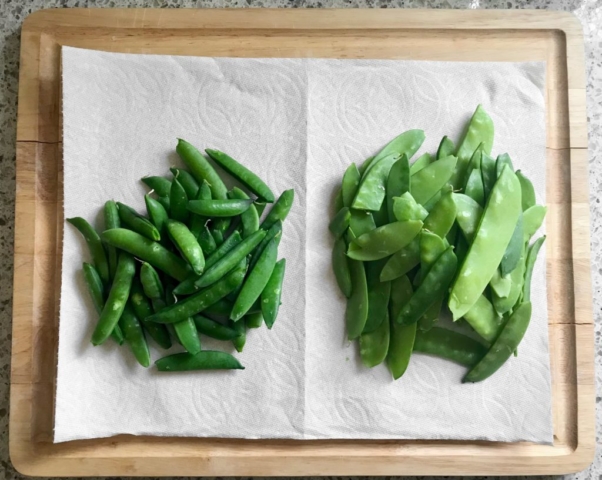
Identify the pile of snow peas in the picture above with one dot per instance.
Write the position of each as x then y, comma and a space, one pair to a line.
202, 261
450, 231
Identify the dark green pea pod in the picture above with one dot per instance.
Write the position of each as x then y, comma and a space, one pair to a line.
158, 216
218, 236
375, 345
398, 183
340, 266
530, 264
488, 173
401, 342
111, 214
527, 191
253, 320
406, 208
401, 262
270, 296
97, 250
381, 216
450, 345
513, 251
151, 283
241, 329
187, 245
501, 161
271, 233
406, 143
199, 222
484, 320
260, 207
165, 202
201, 169
143, 309
340, 222
134, 336
371, 192
220, 208
378, 302
431, 316
361, 222
474, 187
250, 217
427, 182
432, 247
356, 313
384, 241
228, 244
205, 360
178, 202
136, 222
338, 200
206, 241
221, 308
214, 329
350, 184
279, 210
422, 161
160, 185
443, 215
188, 182
188, 335
446, 148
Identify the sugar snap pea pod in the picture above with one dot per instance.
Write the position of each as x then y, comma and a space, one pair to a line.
206, 241
503, 347
527, 191
384, 241
443, 215
364, 166
201, 169
134, 335
361, 222
493, 235
229, 261
148, 251
228, 244
151, 283
111, 215
253, 320
500, 284
428, 181
434, 285
188, 335
257, 280
96, 289
116, 300
480, 130
406, 143
468, 214
375, 345
249, 218
340, 222
187, 245
198, 222
351, 181
401, 262
356, 313
401, 340
279, 210
398, 183
371, 192
214, 329
488, 173
188, 182
475, 160
270, 296
450, 345
378, 302
514, 249
504, 304
272, 232
178, 201
158, 216
205, 360
340, 267
406, 208
431, 316
260, 206
501, 161
97, 251
529, 265
143, 309
483, 318
446, 148
220, 208
241, 329
218, 236
474, 187
421, 162
221, 308
532, 220
160, 185
165, 202
136, 222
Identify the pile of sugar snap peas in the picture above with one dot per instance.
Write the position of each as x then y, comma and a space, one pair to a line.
206, 263
451, 230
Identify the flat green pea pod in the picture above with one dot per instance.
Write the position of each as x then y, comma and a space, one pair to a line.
178, 201
366, 165
378, 304
406, 143
340, 267
271, 233
421, 162
484, 320
505, 303
187, 245
188, 182
443, 215
148, 251
401, 342
446, 148
151, 283
134, 335
96, 290
533, 218
214, 329
339, 224
500, 284
398, 183
493, 235
504, 346
375, 345
97, 250
371, 192
480, 130
111, 214
431, 316
205, 360
270, 297
401, 262
188, 336
475, 160
427, 182
253, 320
514, 249
432, 247
384, 241
434, 285
249, 218
159, 217
450, 345
501, 161
488, 173
350, 184
361, 222
143, 309
474, 187
468, 214
530, 264
406, 208
381, 216
241, 329
527, 191
220, 208
338, 200
198, 223
356, 313
201, 169
137, 222
160, 185
117, 298
279, 210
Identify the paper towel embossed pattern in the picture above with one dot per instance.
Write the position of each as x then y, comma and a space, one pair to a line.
300, 122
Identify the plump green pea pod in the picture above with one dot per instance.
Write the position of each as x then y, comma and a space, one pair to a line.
279, 210
160, 185
158, 216
206, 241
480, 130
501, 161
230, 260
134, 335
493, 235
143, 309
427, 182
356, 313
96, 290
505, 303
406, 143
378, 303
260, 206
371, 192
249, 218
220, 208
178, 202
111, 215
253, 320
450, 345
422, 161
506, 343
365, 166
361, 222
474, 187
483, 318
339, 224
270, 296
97, 251
384, 241
434, 285
221, 308
468, 214
406, 208
117, 298
488, 173
398, 183
446, 148
148, 251
165, 202
533, 218
151, 283
214, 329
256, 280
527, 191
350, 184
205, 360
201, 169
401, 262
529, 265
198, 302
136, 222
401, 342
375, 345
188, 335
188, 182
271, 233
443, 215
340, 267
198, 223
241, 329
251, 181
187, 245
514, 249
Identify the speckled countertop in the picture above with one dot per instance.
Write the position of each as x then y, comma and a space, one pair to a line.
13, 12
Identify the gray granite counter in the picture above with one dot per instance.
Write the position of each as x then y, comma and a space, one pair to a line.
13, 12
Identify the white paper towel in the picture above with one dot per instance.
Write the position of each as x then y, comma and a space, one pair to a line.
298, 123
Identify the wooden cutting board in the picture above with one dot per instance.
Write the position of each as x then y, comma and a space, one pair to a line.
555, 38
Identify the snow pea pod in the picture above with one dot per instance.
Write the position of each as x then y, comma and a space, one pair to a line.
446, 147
483, 318
443, 215
187, 245
406, 208
450, 345
527, 191
371, 192
356, 313
398, 183
401, 262
468, 214
350, 184
366, 165
500, 284
384, 241
97, 251
428, 181
338, 200
504, 346
220, 208
493, 235
514, 249
501, 161
488, 173
160, 185
158, 216
134, 335
137, 222
378, 304
178, 201
201, 169
361, 222
249, 218
339, 224
432, 247
533, 218
340, 267
474, 187
188, 182
421, 162
111, 214
505, 303
204, 360
408, 142
214, 329
401, 337
143, 309
381, 216
375, 344
529, 265
270, 296
279, 210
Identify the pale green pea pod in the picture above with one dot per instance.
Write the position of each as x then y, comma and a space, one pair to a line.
408, 142
488, 173
427, 182
468, 214
384, 241
474, 187
371, 192
483, 318
527, 190
533, 218
501, 161
443, 215
375, 345
406, 208
506, 303
401, 262
421, 162
446, 147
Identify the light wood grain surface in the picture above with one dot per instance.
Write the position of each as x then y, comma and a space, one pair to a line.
402, 34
